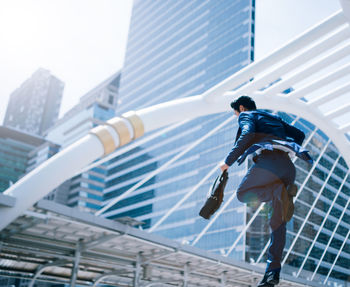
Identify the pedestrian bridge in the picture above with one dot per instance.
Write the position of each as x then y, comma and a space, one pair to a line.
45, 241
50, 240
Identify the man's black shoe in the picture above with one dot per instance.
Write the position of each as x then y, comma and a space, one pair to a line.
270, 278
265, 285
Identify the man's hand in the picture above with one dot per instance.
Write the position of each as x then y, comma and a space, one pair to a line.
223, 166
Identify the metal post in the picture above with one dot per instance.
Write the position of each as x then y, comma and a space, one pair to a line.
223, 278
137, 271
42, 268
100, 278
76, 264
186, 271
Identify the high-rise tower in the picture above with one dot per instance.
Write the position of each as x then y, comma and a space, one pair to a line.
177, 49
35, 105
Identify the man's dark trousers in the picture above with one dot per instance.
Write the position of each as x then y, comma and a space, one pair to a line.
265, 180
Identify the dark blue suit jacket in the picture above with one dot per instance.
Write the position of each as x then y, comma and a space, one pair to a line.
260, 127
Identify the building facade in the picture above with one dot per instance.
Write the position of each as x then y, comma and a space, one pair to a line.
15, 154
34, 106
85, 190
177, 49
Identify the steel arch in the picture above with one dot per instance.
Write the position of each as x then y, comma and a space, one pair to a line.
286, 67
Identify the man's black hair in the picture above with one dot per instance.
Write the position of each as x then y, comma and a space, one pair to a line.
245, 101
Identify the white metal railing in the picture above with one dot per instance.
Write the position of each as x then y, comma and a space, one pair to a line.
323, 223
313, 34
183, 199
163, 167
330, 239
336, 258
213, 220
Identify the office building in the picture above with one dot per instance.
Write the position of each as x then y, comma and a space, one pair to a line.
177, 49
34, 106
85, 190
16, 154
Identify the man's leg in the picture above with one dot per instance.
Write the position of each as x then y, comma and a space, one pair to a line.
257, 185
278, 237
266, 181
278, 240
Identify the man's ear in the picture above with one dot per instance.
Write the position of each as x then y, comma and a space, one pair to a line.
241, 108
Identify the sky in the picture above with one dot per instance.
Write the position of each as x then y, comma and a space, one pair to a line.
82, 42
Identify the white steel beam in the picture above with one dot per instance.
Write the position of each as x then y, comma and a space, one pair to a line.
309, 36
319, 83
333, 94
338, 112
345, 128
300, 59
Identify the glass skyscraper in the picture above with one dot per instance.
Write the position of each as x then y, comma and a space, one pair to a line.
178, 49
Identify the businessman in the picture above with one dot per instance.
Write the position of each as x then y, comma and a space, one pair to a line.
271, 142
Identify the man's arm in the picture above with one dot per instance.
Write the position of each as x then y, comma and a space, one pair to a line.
292, 132
247, 125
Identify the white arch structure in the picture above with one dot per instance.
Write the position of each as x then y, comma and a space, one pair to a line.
322, 49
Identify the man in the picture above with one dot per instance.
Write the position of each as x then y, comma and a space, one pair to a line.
271, 177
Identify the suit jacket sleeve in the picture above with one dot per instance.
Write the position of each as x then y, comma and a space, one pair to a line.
245, 139
292, 132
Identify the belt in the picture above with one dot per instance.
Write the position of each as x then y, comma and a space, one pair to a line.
276, 149
266, 151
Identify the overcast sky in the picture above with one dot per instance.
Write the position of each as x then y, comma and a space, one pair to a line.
82, 42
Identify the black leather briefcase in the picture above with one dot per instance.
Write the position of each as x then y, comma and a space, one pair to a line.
216, 196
